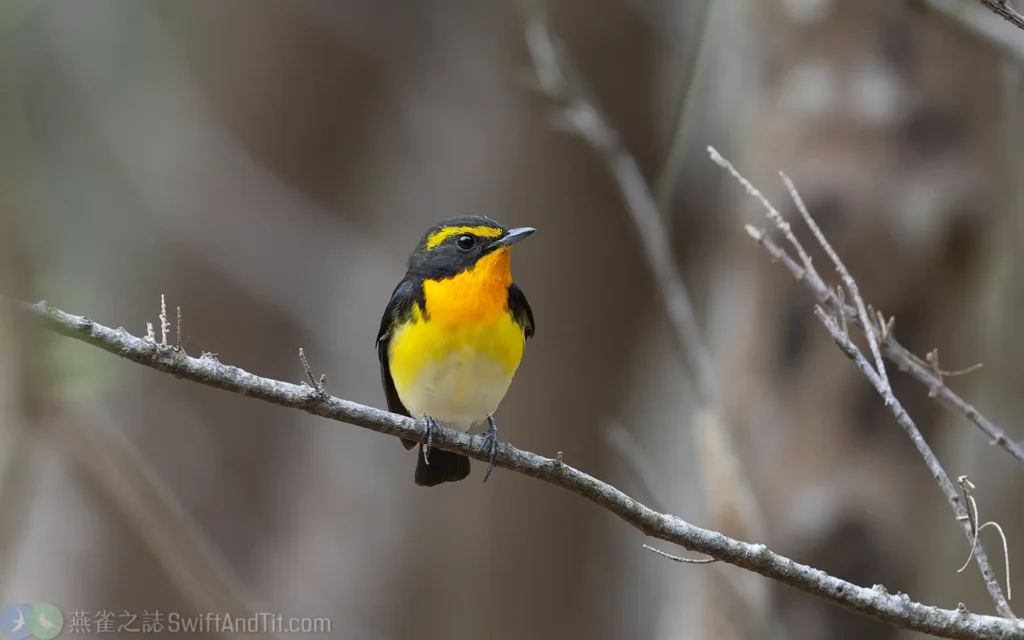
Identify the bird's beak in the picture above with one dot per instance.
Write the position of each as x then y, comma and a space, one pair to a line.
513, 236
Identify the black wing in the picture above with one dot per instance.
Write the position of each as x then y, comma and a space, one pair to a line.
402, 299
520, 309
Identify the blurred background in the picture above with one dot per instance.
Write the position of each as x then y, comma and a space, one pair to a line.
268, 165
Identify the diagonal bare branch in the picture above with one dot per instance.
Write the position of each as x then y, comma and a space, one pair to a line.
876, 602
808, 273
727, 489
581, 114
893, 350
1005, 10
853, 352
146, 509
978, 22
851, 285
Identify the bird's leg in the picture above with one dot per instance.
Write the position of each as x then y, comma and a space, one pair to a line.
492, 437
431, 427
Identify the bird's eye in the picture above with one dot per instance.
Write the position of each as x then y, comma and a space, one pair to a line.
465, 242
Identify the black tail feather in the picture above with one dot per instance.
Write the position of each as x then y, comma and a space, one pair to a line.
444, 466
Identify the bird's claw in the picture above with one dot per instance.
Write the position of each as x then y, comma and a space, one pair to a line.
431, 427
492, 437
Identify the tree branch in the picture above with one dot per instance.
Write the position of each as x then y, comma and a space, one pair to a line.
876, 602
978, 22
893, 350
1005, 10
734, 508
581, 114
838, 328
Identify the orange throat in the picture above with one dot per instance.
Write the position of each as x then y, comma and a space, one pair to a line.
477, 295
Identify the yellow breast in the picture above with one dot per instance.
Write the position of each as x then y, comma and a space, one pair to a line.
455, 360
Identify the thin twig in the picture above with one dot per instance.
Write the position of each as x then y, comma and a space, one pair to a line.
875, 602
773, 215
165, 325
319, 385
870, 330
980, 23
1005, 10
727, 487
808, 266
932, 358
693, 61
875, 375
843, 322
680, 558
893, 350
114, 471
1006, 551
582, 115
621, 441
931, 461
973, 517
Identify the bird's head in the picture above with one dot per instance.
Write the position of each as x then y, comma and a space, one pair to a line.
461, 244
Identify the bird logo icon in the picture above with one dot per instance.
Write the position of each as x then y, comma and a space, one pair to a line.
14, 621
20, 621
45, 621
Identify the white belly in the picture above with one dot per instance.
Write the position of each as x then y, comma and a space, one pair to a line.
459, 391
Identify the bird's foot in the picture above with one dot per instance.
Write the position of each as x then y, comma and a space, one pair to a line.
492, 437
431, 427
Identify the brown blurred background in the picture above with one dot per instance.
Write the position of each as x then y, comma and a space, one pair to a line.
268, 164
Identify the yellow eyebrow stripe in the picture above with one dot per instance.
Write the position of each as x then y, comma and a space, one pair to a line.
438, 237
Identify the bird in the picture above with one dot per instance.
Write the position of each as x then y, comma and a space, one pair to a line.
45, 623
453, 335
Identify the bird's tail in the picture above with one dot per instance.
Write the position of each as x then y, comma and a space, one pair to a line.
444, 466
